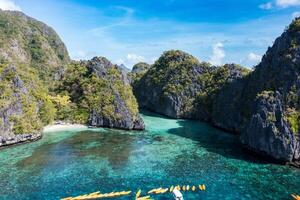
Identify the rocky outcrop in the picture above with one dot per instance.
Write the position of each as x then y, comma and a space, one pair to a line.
122, 117
19, 110
103, 94
170, 86
268, 132
13, 104
140, 67
33, 60
126, 122
264, 106
125, 73
32, 56
179, 86
18, 139
138, 72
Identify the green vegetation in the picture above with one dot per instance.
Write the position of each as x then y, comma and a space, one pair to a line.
138, 71
24, 40
35, 48
89, 93
21, 87
213, 81
180, 78
172, 71
293, 117
294, 26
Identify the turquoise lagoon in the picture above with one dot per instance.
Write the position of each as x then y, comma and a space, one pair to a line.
168, 152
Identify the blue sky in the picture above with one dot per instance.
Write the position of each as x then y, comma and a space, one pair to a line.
128, 31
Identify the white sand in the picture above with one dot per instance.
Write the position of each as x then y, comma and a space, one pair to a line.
63, 127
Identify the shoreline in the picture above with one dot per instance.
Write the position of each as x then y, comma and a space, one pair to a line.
62, 127
19, 139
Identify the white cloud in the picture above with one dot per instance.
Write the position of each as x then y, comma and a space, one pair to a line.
296, 14
252, 57
279, 4
9, 5
135, 58
287, 3
83, 55
266, 6
130, 60
218, 54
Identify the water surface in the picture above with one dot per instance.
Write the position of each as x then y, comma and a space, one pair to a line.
168, 152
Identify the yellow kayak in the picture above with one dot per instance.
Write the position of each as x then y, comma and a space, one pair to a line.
138, 193
144, 198
200, 187
171, 188
154, 190
296, 197
193, 188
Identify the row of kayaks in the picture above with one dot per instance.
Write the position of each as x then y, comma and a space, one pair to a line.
187, 188
178, 187
98, 195
296, 197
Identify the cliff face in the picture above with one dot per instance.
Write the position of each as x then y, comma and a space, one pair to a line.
169, 87
102, 94
31, 58
28, 41
263, 106
24, 106
266, 107
268, 132
179, 86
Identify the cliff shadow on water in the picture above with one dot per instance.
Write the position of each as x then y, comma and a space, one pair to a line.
215, 140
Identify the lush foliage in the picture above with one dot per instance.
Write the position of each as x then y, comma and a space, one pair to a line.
138, 71
89, 92
172, 71
22, 88
293, 117
24, 40
214, 80
294, 26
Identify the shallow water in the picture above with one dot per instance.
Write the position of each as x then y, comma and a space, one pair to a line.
169, 152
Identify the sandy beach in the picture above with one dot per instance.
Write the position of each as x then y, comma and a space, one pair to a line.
62, 127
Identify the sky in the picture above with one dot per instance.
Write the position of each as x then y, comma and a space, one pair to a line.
131, 31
